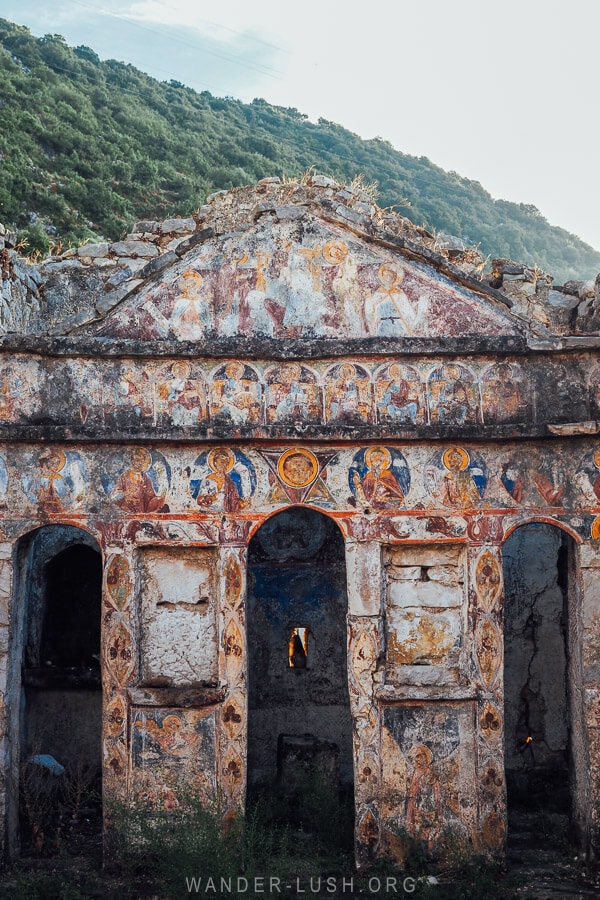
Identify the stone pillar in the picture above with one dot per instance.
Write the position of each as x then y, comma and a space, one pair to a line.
118, 672
364, 585
485, 625
6, 769
585, 699
233, 671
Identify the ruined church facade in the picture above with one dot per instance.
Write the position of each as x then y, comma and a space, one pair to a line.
291, 470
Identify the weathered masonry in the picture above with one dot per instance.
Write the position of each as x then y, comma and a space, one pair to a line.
292, 479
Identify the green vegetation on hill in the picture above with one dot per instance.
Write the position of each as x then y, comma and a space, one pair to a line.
87, 147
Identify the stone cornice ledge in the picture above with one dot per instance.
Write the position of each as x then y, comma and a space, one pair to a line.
391, 693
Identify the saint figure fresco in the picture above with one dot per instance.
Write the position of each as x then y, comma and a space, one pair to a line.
143, 485
399, 395
388, 311
379, 478
235, 394
292, 393
223, 480
181, 395
347, 394
424, 806
456, 478
503, 396
530, 478
132, 400
59, 484
453, 395
190, 317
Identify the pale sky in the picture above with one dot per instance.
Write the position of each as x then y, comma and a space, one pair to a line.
502, 93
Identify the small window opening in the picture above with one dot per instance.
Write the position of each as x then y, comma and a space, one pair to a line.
298, 648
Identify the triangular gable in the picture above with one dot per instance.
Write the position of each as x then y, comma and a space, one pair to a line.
302, 279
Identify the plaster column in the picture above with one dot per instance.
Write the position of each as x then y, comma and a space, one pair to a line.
585, 689
365, 644
485, 625
119, 659
232, 741
6, 772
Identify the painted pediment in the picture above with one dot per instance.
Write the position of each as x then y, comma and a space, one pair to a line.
302, 279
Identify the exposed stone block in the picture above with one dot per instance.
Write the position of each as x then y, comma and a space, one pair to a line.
93, 250
424, 594
436, 554
178, 226
147, 226
134, 249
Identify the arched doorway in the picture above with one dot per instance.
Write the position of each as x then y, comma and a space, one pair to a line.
56, 726
300, 727
539, 673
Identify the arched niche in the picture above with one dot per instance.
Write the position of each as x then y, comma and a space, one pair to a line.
543, 747
55, 685
299, 720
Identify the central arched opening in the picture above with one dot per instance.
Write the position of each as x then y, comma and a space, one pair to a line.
538, 673
299, 722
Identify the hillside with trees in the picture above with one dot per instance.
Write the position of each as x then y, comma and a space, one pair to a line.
88, 146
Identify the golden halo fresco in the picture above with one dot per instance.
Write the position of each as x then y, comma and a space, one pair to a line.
453, 452
298, 467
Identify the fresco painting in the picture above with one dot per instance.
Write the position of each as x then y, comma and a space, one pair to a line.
388, 310
172, 751
118, 582
379, 478
142, 483
223, 479
453, 395
568, 392
181, 395
436, 747
235, 394
292, 394
534, 479
146, 397
119, 652
588, 476
19, 390
504, 394
399, 395
280, 362
281, 280
190, 315
116, 716
488, 648
488, 580
59, 482
348, 394
129, 400
456, 478
490, 723
299, 475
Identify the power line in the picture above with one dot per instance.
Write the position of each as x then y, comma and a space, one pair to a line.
238, 59
412, 178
